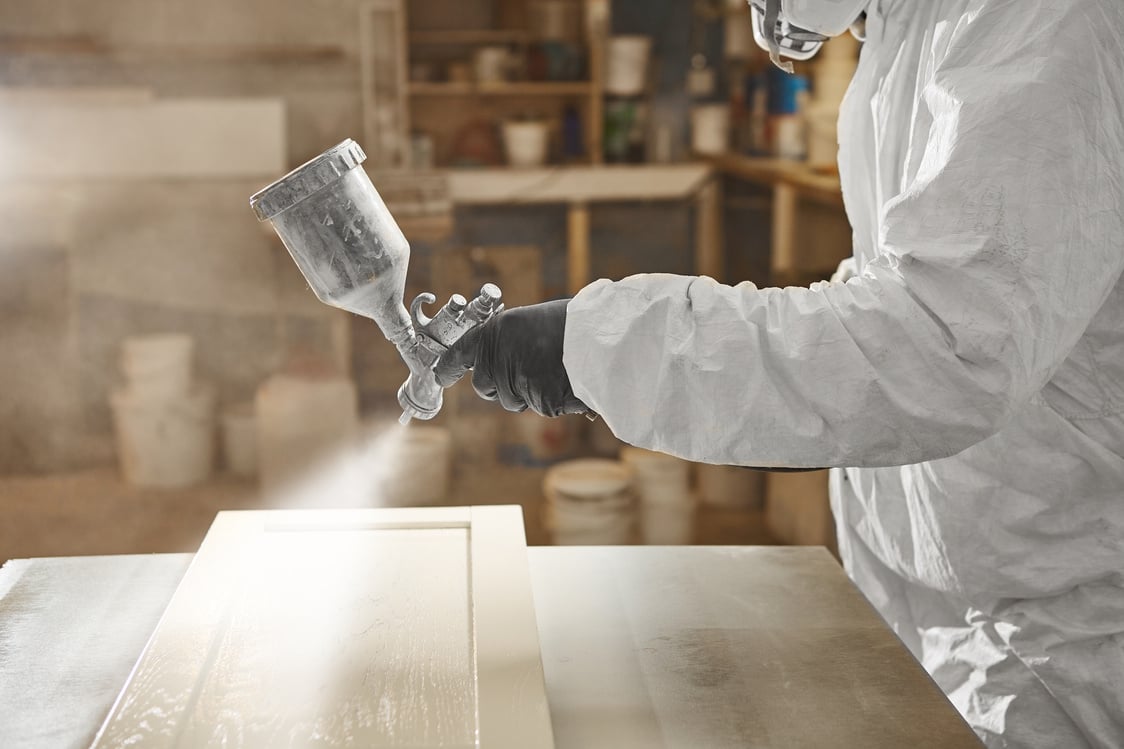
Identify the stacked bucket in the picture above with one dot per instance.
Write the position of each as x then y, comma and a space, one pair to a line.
164, 419
643, 496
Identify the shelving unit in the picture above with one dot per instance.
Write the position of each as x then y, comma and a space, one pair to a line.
514, 88
468, 36
433, 35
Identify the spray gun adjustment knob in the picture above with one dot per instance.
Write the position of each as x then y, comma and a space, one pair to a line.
457, 303
490, 295
486, 304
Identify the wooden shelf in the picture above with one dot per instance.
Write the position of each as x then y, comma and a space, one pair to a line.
576, 184
88, 46
467, 37
521, 88
823, 188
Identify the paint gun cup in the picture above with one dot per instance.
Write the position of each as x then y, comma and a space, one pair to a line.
354, 256
342, 237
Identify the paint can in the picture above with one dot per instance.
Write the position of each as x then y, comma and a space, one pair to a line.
165, 443
491, 64
589, 502
525, 143
662, 483
158, 365
710, 128
627, 66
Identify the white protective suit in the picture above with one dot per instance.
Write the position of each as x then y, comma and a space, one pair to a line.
980, 350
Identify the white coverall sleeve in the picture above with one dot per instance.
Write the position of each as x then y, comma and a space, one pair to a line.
991, 263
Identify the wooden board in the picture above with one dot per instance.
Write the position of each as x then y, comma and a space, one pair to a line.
373, 628
83, 137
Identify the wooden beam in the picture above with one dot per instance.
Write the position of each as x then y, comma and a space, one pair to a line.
577, 247
709, 238
785, 199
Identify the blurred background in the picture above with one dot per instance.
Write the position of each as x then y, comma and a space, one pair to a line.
162, 357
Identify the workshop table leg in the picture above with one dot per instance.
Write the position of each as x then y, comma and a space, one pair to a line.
709, 251
577, 247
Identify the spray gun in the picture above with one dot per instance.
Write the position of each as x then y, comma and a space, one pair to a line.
354, 256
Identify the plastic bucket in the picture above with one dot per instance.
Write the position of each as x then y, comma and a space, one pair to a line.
589, 502
658, 478
490, 65
158, 366
240, 440
627, 66
731, 487
710, 128
525, 143
165, 443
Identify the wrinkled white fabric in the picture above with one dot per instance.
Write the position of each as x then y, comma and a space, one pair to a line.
847, 270
970, 379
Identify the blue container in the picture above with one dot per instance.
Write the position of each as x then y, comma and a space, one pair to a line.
784, 91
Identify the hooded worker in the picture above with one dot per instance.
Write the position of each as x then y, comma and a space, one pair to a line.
967, 382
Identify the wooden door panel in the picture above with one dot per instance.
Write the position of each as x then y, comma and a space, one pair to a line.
345, 628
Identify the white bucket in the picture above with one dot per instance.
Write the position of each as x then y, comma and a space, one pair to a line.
658, 478
627, 66
419, 474
589, 502
525, 143
165, 443
737, 32
731, 487
158, 365
301, 421
240, 440
667, 524
491, 65
710, 128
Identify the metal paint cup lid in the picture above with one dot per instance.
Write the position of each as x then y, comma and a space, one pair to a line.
306, 179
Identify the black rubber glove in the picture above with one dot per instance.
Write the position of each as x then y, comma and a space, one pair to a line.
516, 358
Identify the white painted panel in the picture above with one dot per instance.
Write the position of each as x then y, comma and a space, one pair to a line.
81, 138
371, 628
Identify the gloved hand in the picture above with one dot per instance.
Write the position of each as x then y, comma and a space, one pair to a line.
516, 358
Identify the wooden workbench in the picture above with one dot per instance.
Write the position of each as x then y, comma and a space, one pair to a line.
578, 187
790, 182
642, 648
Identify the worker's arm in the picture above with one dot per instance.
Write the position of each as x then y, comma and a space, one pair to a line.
993, 260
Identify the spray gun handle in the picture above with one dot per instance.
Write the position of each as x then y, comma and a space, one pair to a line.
420, 396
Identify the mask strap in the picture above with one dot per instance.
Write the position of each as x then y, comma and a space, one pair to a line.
772, 13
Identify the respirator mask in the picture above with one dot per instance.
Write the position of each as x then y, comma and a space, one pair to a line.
799, 28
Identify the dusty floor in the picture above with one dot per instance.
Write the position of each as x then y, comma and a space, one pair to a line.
94, 512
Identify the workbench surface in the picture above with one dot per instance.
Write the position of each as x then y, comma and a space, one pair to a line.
694, 647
